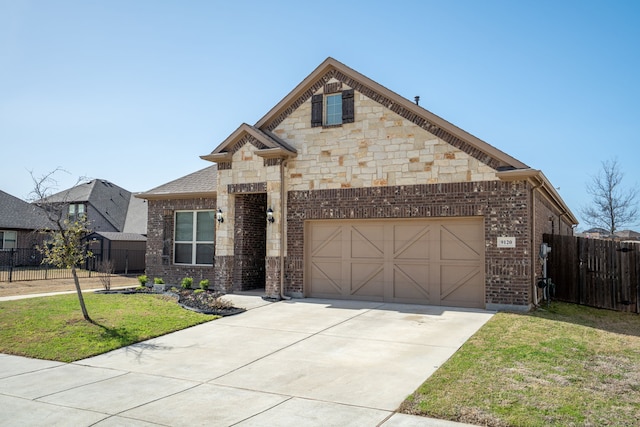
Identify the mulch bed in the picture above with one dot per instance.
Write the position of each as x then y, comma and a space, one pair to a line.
201, 301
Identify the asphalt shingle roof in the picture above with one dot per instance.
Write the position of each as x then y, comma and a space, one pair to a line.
18, 214
106, 198
203, 181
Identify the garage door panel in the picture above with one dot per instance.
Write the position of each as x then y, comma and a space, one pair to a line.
367, 279
411, 242
367, 241
327, 277
460, 242
411, 281
326, 242
462, 285
428, 261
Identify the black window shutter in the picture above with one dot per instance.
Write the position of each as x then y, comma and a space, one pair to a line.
347, 106
316, 111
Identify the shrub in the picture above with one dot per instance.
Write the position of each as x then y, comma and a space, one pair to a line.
158, 281
106, 268
204, 284
198, 291
187, 282
143, 280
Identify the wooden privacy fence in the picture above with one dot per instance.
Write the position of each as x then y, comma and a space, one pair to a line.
594, 272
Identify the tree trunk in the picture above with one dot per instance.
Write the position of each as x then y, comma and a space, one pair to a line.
85, 314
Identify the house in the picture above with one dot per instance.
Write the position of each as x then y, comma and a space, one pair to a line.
105, 205
346, 190
117, 219
596, 233
19, 223
627, 235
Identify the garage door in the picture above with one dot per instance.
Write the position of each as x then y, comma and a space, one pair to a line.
434, 261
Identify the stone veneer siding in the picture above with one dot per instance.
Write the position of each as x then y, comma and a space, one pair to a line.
159, 256
505, 207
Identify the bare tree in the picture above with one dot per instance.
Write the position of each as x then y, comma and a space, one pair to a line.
613, 206
64, 246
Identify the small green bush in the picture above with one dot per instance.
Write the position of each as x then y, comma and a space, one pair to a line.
143, 280
198, 291
187, 282
204, 284
158, 281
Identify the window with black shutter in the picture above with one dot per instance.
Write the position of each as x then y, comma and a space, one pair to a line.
347, 106
326, 109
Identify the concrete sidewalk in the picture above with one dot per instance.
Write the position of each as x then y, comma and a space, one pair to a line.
304, 362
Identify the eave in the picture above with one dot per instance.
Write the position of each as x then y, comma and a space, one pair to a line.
540, 181
167, 196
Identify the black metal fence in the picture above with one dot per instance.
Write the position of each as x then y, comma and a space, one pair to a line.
26, 264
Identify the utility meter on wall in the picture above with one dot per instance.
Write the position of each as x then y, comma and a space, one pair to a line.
544, 251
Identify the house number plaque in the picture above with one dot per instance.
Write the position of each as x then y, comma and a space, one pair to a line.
506, 242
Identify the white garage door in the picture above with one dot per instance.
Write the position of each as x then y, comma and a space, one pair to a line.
424, 261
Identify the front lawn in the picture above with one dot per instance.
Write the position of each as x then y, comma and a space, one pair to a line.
52, 327
566, 366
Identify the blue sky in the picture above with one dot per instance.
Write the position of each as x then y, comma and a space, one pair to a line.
135, 91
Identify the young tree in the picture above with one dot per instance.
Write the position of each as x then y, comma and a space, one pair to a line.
64, 247
613, 206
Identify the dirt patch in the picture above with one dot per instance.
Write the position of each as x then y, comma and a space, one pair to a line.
30, 287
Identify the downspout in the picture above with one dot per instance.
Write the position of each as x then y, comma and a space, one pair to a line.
533, 241
283, 216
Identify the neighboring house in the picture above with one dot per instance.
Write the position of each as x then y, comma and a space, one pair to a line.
117, 218
354, 192
596, 233
19, 225
105, 204
627, 235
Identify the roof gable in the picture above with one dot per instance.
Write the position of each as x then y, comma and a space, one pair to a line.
268, 145
423, 118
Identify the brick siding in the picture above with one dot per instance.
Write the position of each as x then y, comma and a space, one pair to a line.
159, 257
505, 207
250, 243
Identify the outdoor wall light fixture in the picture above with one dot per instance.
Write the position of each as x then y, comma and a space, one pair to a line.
270, 216
219, 216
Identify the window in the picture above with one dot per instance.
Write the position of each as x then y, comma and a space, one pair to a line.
332, 109
194, 237
8, 240
76, 211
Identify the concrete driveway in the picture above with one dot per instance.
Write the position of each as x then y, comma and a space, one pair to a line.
303, 362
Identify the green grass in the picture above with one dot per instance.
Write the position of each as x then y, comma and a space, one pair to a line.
565, 366
52, 327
